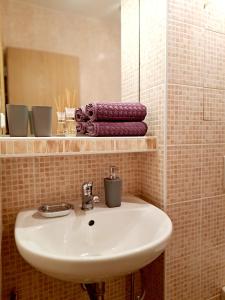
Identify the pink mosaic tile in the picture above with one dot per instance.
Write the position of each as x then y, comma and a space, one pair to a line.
214, 105
151, 176
154, 99
183, 278
194, 260
183, 173
212, 170
190, 12
153, 95
212, 272
213, 132
213, 222
186, 238
185, 54
214, 63
185, 115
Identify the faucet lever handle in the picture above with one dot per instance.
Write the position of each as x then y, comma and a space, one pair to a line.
96, 199
87, 188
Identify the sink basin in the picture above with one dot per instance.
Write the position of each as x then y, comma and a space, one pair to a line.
116, 242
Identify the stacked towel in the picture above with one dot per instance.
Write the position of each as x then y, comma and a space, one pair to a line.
80, 115
116, 128
81, 127
112, 119
131, 112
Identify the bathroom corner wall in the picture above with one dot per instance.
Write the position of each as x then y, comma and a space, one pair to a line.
28, 182
185, 138
186, 105
152, 166
153, 94
195, 258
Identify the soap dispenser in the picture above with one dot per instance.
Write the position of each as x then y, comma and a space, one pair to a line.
113, 189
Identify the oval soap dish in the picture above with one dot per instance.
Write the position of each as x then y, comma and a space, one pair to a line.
55, 210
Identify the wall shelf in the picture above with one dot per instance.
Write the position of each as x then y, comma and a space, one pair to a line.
35, 146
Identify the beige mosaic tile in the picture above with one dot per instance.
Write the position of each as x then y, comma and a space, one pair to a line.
185, 54
151, 176
190, 12
183, 278
212, 271
214, 63
185, 115
183, 173
213, 132
186, 238
154, 99
214, 105
194, 267
213, 222
212, 170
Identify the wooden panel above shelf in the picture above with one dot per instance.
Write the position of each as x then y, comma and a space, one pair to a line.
32, 146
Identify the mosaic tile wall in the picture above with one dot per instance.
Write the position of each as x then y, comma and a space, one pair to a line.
195, 259
28, 182
153, 95
153, 92
185, 177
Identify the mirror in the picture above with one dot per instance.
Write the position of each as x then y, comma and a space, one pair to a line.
70, 53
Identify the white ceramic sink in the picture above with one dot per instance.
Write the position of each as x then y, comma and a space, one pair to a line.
121, 241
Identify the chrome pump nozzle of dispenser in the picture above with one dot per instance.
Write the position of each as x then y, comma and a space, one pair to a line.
113, 188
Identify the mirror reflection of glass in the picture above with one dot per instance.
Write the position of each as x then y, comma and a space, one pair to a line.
64, 54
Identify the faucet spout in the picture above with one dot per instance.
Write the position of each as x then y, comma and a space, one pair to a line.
88, 199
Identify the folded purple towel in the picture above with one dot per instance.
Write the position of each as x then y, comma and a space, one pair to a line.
81, 127
118, 111
116, 128
80, 115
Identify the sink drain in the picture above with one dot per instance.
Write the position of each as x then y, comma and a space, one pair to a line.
91, 223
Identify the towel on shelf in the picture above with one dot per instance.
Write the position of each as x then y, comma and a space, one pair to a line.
80, 115
118, 111
116, 128
81, 127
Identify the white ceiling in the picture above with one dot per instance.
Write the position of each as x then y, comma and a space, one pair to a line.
89, 8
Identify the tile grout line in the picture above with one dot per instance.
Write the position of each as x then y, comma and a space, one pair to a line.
195, 200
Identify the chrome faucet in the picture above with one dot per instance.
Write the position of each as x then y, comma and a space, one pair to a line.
88, 199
